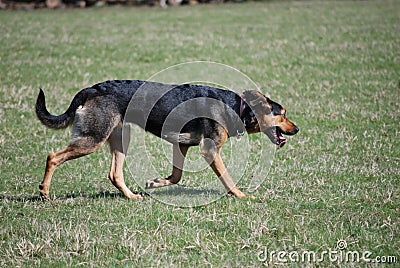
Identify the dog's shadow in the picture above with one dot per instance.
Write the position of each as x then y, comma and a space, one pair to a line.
183, 191
20, 199
38, 198
170, 191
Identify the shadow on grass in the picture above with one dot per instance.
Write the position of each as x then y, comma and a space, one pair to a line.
20, 199
169, 191
37, 198
179, 190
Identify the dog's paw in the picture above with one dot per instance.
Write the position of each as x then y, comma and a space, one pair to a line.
135, 196
246, 197
44, 192
151, 184
237, 193
157, 183
250, 197
44, 196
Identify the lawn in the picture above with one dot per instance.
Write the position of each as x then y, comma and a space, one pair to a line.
334, 65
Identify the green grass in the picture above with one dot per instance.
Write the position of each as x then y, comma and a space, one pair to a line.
335, 66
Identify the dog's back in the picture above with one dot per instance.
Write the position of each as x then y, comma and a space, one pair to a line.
142, 96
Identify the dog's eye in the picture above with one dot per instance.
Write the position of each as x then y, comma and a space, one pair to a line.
284, 116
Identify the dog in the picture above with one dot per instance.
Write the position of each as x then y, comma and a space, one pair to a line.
101, 113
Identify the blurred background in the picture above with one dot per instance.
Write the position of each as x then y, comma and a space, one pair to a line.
52, 4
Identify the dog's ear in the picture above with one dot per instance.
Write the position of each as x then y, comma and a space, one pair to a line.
257, 100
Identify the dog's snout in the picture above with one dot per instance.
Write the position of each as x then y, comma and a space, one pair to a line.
296, 129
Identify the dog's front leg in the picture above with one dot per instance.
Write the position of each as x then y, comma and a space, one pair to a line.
178, 159
211, 153
220, 170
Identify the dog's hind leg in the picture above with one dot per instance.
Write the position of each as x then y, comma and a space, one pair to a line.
78, 148
90, 130
117, 146
178, 159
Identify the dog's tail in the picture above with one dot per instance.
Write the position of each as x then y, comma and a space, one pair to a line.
58, 121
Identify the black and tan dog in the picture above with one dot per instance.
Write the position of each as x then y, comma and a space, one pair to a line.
210, 116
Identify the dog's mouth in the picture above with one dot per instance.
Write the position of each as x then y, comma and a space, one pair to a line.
275, 135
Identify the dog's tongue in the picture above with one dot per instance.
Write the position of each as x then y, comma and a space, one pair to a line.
282, 142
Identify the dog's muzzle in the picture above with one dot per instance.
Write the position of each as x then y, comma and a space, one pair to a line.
275, 135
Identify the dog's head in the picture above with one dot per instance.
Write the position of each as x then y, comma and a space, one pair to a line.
268, 117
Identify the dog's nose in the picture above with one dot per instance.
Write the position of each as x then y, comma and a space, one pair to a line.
296, 130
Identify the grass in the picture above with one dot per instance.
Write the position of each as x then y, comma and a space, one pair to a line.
334, 65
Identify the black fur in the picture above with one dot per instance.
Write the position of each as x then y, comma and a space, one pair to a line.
149, 109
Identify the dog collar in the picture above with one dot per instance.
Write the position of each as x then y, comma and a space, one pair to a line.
239, 134
242, 106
